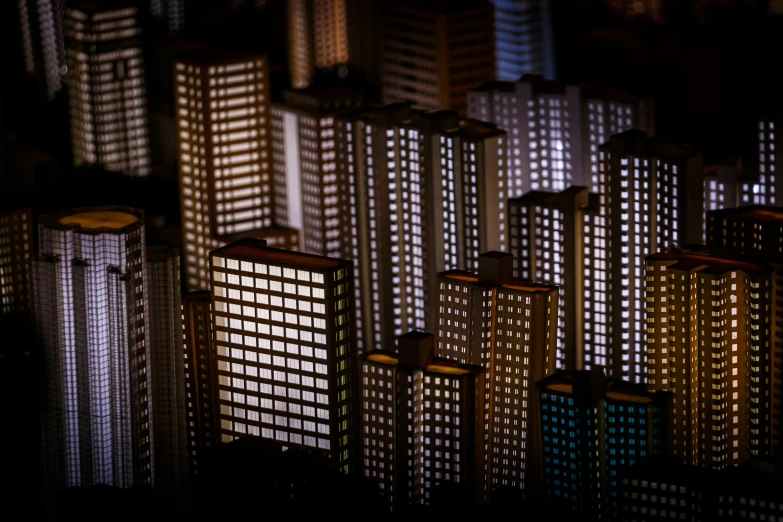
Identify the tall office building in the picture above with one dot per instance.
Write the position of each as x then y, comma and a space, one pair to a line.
101, 316
283, 329
172, 11
317, 37
200, 381
509, 327
769, 190
424, 191
41, 28
108, 99
555, 129
167, 382
757, 232
16, 251
523, 39
418, 421
650, 198
593, 427
306, 189
708, 341
225, 167
559, 239
434, 51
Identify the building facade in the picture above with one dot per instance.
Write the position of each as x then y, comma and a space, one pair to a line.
426, 191
434, 51
509, 328
557, 239
106, 356
171, 11
592, 428
17, 248
417, 421
107, 91
283, 329
650, 197
306, 188
757, 232
709, 343
555, 129
225, 163
523, 39
43, 43
201, 404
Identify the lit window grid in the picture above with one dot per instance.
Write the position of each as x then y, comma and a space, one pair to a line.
42, 42
379, 414
518, 52
765, 189
16, 249
597, 337
309, 406
120, 451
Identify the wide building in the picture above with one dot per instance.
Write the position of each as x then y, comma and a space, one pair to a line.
421, 193
509, 328
434, 51
556, 129
418, 421
107, 318
106, 86
709, 343
283, 328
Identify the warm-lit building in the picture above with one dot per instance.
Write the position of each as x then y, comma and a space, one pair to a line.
106, 318
41, 29
306, 188
283, 331
434, 51
418, 421
557, 238
422, 193
16, 250
651, 200
708, 342
555, 129
592, 427
509, 327
106, 86
225, 164
660, 488
757, 232
202, 422
523, 39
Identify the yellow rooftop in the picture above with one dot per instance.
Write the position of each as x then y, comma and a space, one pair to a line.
100, 219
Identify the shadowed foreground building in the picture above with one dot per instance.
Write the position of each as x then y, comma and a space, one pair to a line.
418, 422
16, 251
709, 343
592, 427
108, 322
509, 328
283, 330
106, 86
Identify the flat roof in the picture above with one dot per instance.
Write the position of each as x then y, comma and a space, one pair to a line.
100, 219
707, 263
251, 249
513, 284
218, 56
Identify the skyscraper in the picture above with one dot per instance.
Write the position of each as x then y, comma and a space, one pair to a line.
523, 39
423, 191
593, 427
555, 129
418, 421
757, 232
650, 197
108, 99
317, 37
172, 11
286, 357
709, 341
41, 28
16, 251
306, 188
200, 380
222, 104
106, 356
559, 239
434, 51
769, 189
509, 327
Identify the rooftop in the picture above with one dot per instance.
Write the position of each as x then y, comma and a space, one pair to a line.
251, 249
438, 365
218, 56
98, 219
710, 264
514, 284
757, 212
